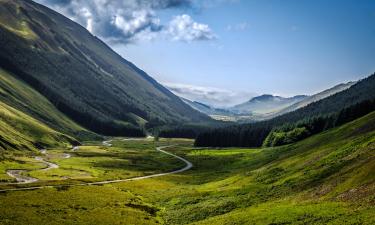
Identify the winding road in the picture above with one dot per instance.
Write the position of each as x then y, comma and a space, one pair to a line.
159, 149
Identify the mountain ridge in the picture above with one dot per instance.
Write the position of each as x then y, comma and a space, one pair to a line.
318, 96
266, 103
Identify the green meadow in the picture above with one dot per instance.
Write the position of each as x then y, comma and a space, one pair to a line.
325, 179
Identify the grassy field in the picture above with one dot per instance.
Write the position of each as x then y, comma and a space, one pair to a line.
325, 179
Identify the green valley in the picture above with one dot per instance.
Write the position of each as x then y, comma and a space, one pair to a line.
325, 179
87, 137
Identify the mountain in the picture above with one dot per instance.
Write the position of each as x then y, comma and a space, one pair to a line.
85, 80
316, 97
207, 109
325, 113
266, 104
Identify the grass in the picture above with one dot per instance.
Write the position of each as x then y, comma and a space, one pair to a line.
22, 132
287, 212
93, 163
77, 205
89, 204
325, 179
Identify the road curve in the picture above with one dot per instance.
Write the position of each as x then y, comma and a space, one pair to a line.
159, 149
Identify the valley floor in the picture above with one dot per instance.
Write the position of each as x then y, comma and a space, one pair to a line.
325, 179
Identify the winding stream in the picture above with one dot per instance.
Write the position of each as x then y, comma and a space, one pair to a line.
20, 176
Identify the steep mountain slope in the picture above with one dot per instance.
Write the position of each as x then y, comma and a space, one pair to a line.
22, 97
81, 76
316, 97
266, 104
29, 121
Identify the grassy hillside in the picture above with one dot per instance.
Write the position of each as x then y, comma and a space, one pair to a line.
82, 76
28, 121
325, 179
21, 96
19, 131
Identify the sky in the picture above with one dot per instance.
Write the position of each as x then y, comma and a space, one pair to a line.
223, 52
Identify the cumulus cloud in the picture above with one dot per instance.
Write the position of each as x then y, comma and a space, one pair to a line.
209, 95
131, 20
183, 28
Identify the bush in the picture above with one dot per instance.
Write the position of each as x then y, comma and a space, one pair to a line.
277, 138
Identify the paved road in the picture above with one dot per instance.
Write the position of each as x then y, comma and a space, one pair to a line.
159, 149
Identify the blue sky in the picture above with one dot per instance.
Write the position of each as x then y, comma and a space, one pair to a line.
233, 49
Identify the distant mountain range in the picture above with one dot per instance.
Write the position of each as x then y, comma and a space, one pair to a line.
264, 106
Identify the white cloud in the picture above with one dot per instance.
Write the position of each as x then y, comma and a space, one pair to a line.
209, 95
183, 28
131, 20
136, 22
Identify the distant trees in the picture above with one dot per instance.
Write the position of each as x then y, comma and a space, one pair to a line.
248, 135
182, 131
